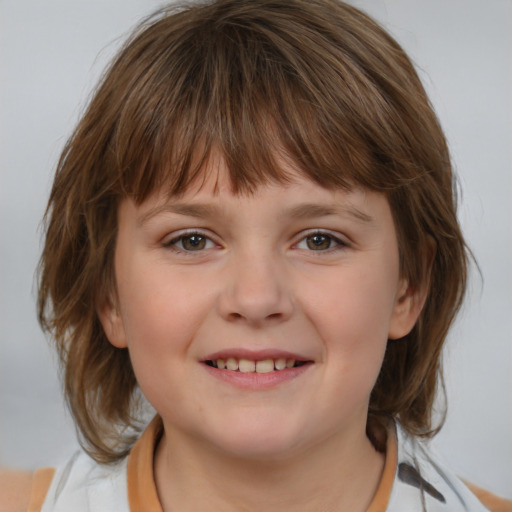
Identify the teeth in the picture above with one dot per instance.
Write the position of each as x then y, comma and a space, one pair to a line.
265, 366
280, 364
232, 364
248, 366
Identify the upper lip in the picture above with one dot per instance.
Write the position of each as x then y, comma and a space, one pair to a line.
255, 355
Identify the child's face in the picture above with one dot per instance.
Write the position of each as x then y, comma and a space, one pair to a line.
293, 272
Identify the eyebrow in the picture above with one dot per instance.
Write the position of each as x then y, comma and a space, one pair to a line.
302, 211
186, 209
305, 211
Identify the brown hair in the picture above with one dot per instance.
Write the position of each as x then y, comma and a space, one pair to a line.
314, 81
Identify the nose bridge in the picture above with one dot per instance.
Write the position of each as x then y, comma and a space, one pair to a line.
256, 289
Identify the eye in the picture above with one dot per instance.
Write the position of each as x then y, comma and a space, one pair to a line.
190, 242
320, 241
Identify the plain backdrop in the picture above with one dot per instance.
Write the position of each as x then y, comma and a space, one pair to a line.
51, 54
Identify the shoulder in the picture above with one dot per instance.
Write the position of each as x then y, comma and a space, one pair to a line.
491, 501
423, 479
82, 485
15, 489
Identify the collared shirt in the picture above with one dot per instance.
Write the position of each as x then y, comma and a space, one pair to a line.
412, 480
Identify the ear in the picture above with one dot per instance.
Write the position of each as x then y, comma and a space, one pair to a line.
112, 323
410, 298
408, 305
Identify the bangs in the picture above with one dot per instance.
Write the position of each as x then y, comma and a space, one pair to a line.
242, 86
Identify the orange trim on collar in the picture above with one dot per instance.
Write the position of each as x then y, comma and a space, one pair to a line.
381, 499
491, 501
41, 482
142, 494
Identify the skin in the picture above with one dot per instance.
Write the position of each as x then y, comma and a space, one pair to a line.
295, 268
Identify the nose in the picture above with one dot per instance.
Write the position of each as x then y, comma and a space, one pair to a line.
256, 291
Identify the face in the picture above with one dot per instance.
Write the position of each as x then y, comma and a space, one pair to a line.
257, 324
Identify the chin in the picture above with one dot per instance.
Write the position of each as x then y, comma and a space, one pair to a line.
259, 450
259, 441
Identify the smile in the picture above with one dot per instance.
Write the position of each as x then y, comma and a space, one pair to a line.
251, 366
256, 369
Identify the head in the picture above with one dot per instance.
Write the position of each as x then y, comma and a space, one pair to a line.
316, 84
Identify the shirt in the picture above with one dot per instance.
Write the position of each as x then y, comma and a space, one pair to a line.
412, 480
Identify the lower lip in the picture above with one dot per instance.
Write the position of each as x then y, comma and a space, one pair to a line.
257, 381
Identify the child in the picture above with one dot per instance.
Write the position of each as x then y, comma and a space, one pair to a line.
254, 225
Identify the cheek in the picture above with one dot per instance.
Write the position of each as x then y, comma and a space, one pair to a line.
160, 319
355, 304
160, 305
160, 316
351, 312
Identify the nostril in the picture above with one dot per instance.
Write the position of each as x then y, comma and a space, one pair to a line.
272, 316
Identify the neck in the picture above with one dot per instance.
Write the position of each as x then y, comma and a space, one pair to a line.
340, 474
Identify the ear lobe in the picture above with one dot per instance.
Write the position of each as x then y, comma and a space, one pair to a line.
411, 298
112, 323
408, 305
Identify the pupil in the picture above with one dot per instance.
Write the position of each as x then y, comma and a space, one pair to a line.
194, 242
316, 242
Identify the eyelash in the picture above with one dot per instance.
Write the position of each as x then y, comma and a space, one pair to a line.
327, 236
338, 243
173, 244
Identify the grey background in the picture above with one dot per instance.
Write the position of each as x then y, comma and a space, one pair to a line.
51, 54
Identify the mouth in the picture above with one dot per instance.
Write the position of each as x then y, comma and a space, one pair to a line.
244, 365
256, 370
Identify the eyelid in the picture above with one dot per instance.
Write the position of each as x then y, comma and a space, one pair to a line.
173, 238
340, 240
